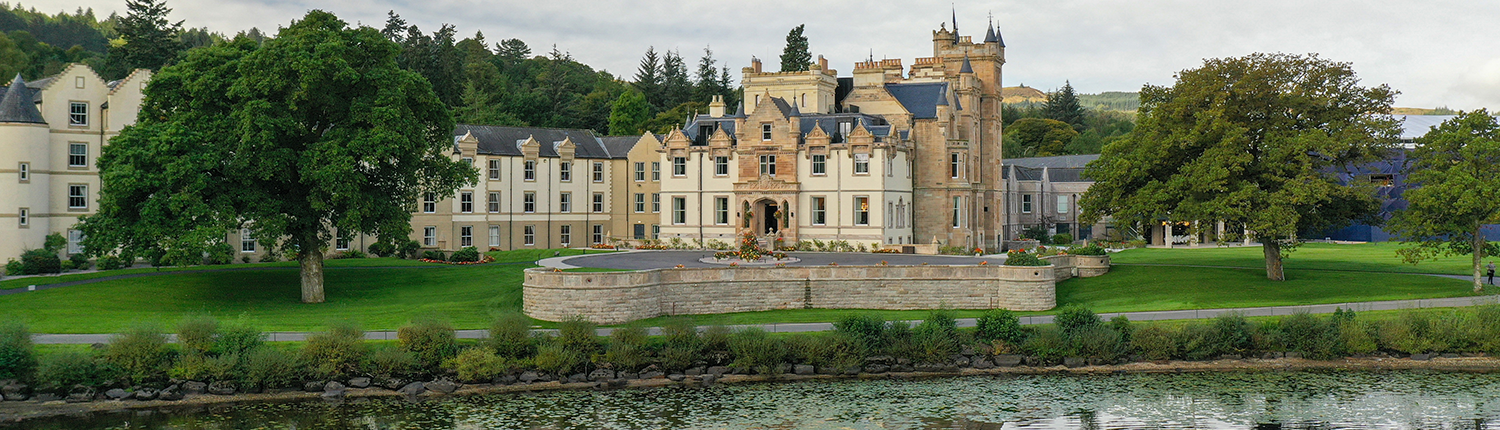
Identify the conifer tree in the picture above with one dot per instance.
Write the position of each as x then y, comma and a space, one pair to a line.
150, 40
708, 84
675, 87
1062, 105
796, 57
648, 77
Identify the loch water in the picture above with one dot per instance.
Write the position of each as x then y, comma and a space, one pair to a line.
1219, 400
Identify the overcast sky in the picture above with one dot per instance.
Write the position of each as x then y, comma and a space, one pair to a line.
1436, 53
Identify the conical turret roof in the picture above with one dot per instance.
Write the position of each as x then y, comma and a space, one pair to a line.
966, 68
16, 105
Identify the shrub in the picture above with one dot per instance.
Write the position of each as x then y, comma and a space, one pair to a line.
111, 262
80, 261
1310, 336
1488, 318
868, 332
220, 253
1073, 318
67, 265
196, 367
238, 339
17, 358
1356, 337
335, 353
1091, 249
834, 350
1100, 343
409, 249
1230, 334
510, 336
1001, 325
1195, 341
40, 261
432, 341
141, 352
466, 255
627, 349
196, 334
936, 339
1410, 333
578, 334
353, 253
270, 256
57, 372
392, 363
477, 365
271, 368
559, 360
681, 332
434, 255
753, 349
1048, 344
1023, 258
715, 350
1062, 239
15, 267
1155, 342
383, 249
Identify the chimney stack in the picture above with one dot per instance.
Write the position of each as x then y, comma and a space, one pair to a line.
822, 63
716, 108
755, 64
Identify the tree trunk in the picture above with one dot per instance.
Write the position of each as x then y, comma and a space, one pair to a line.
1273, 260
312, 275
1478, 245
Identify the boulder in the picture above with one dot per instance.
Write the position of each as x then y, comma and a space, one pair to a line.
828, 370
443, 386
360, 382
413, 389
146, 394
983, 363
629, 375
601, 375
578, 377
853, 370
80, 394
803, 369
333, 390
934, 367
116, 394
46, 397
528, 377
880, 359
1421, 357
393, 383
314, 386
506, 380
618, 382
902, 367
693, 371
334, 386
194, 387
652, 375
961, 361
221, 388
172, 392
708, 379
1074, 362
676, 377
966, 350
877, 368
717, 370
1008, 360
14, 391
784, 368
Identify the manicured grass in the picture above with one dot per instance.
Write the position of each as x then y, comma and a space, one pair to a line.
532, 255
1149, 288
331, 264
1375, 257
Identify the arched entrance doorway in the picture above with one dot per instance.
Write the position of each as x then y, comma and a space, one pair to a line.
766, 221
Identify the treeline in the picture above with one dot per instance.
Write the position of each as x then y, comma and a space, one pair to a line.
35, 44
229, 358
1062, 126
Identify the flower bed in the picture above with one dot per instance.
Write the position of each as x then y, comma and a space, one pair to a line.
482, 260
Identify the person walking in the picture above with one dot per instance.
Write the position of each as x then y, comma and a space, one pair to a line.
1491, 271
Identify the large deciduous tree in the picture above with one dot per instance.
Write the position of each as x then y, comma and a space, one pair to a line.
1037, 137
1455, 174
629, 114
1255, 142
314, 132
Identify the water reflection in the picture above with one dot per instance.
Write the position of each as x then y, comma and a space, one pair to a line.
1251, 400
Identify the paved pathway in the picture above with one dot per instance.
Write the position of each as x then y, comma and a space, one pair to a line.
641, 260
962, 322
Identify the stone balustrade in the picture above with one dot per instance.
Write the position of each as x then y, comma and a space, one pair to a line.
619, 297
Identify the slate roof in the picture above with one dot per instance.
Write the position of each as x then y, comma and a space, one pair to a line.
921, 99
725, 123
781, 105
496, 140
619, 146
1414, 126
1060, 161
994, 36
1070, 174
966, 68
830, 124
17, 105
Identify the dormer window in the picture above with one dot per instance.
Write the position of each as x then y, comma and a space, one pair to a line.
765, 131
845, 127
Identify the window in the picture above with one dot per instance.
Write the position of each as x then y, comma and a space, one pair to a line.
78, 155
679, 210
845, 127
565, 232
1025, 203
655, 203
819, 164
565, 171
656, 170
78, 82
890, 210
466, 236
1383, 180
466, 202
819, 211
494, 202
655, 231
765, 131
429, 236
639, 232
721, 210
429, 203
528, 202
494, 170
75, 242
469, 161
78, 197
24, 172
528, 235
565, 202
247, 240
640, 202
530, 170
768, 165
494, 235
861, 210
679, 166
341, 241
598, 171
598, 234
954, 164
24, 214
721, 166
598, 202
78, 114
861, 164
1062, 204
640, 171
958, 203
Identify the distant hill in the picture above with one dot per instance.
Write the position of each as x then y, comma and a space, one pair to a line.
1024, 96
1443, 110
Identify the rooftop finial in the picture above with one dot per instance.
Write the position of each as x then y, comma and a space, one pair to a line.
955, 22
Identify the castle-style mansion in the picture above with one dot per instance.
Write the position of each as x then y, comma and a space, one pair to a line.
894, 155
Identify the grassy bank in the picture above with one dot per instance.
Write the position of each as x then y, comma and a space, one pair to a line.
1372, 257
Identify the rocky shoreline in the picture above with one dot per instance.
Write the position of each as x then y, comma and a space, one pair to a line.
190, 395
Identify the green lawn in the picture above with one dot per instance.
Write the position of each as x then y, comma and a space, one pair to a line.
532, 255
331, 264
1376, 257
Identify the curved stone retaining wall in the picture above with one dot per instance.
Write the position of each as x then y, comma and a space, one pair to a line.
618, 297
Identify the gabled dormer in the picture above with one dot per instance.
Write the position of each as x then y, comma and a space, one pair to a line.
565, 148
72, 99
530, 148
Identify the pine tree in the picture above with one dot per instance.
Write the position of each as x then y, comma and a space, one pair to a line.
1062, 105
675, 87
395, 27
648, 78
707, 83
150, 40
796, 57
